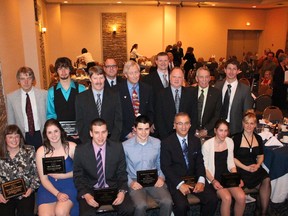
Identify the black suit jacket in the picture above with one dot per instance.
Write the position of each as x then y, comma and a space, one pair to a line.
146, 105
241, 102
154, 80
165, 110
173, 163
86, 111
85, 172
212, 109
119, 80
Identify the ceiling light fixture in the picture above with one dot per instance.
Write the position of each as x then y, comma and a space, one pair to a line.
168, 3
65, 2
254, 6
119, 2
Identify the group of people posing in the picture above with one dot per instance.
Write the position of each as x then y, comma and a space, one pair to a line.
159, 123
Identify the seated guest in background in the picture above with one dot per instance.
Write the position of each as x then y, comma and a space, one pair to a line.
61, 97
110, 172
248, 157
26, 107
236, 97
111, 68
209, 103
136, 99
17, 161
181, 157
142, 152
267, 79
57, 193
98, 102
172, 100
87, 57
218, 159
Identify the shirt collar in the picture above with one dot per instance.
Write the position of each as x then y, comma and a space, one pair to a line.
72, 85
130, 85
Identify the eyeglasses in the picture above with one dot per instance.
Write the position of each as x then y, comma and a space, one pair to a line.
182, 123
111, 66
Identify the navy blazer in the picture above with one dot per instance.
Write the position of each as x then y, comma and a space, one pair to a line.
173, 164
146, 105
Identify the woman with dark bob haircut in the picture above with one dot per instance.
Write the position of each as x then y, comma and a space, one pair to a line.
57, 193
17, 161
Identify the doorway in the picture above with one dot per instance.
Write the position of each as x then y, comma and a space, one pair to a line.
242, 41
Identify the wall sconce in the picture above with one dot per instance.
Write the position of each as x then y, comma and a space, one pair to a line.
114, 29
248, 23
43, 30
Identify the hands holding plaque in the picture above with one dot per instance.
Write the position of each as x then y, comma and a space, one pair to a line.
13, 188
147, 178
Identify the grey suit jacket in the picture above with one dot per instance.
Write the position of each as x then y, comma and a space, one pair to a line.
241, 102
14, 108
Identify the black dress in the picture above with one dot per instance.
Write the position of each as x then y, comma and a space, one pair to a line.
220, 164
243, 154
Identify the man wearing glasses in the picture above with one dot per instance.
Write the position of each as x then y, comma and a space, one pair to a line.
111, 69
182, 164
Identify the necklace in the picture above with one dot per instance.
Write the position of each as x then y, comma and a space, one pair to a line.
249, 144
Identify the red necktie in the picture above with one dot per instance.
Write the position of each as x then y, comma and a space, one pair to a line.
29, 114
135, 101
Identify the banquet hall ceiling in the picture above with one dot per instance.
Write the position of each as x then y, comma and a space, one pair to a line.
261, 4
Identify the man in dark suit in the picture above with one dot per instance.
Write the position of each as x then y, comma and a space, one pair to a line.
111, 68
98, 102
88, 172
181, 157
159, 79
240, 98
209, 103
168, 104
136, 99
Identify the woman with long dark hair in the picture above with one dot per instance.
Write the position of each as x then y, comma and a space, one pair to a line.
134, 54
57, 192
218, 159
17, 161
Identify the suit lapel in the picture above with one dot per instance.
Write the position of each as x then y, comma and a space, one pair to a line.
178, 149
171, 101
91, 102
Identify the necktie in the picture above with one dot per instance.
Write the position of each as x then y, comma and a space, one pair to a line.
177, 100
166, 83
184, 147
100, 170
112, 83
135, 101
29, 114
98, 104
225, 106
200, 107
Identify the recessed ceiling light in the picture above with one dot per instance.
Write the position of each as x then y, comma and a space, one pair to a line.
65, 2
213, 5
254, 6
119, 2
168, 2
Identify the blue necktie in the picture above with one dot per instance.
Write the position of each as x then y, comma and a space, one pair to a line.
100, 170
184, 147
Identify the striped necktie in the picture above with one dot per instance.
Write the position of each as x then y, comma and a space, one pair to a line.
100, 170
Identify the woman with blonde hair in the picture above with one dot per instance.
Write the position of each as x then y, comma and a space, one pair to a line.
249, 156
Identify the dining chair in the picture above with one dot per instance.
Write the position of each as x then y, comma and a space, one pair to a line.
244, 81
273, 114
261, 102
